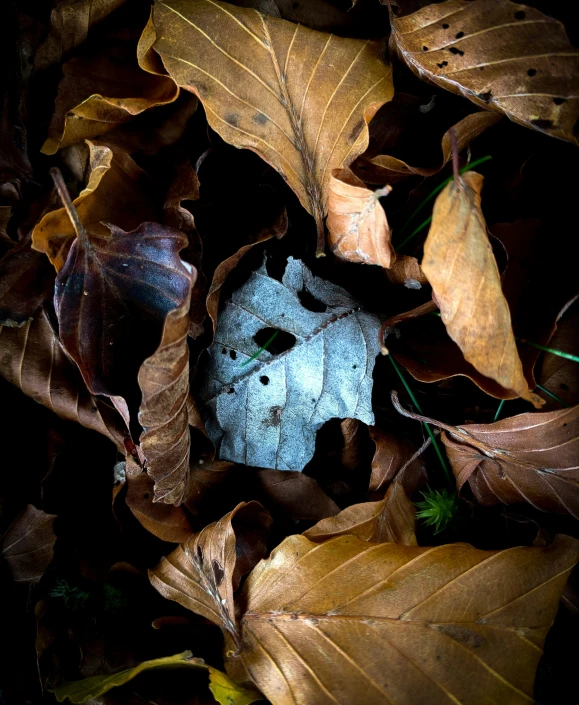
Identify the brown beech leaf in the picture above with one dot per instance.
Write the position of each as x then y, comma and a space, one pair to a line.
203, 573
394, 455
99, 93
505, 57
164, 415
70, 22
558, 374
391, 519
299, 98
407, 271
460, 265
27, 546
348, 621
384, 168
357, 224
294, 494
526, 458
165, 521
32, 358
117, 191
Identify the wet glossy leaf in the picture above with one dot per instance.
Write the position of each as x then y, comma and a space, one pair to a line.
265, 410
28, 545
299, 98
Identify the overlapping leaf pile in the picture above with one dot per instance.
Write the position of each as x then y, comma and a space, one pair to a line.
214, 217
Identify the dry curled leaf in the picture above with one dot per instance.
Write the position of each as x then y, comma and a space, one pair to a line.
529, 458
503, 56
117, 191
33, 359
357, 224
407, 271
394, 455
392, 519
460, 265
203, 573
301, 99
27, 546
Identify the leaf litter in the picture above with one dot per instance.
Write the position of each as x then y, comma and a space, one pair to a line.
270, 508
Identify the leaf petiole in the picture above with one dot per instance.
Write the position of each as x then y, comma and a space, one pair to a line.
263, 347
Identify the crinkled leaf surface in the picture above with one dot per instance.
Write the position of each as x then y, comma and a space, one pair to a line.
503, 56
529, 458
266, 413
27, 546
299, 98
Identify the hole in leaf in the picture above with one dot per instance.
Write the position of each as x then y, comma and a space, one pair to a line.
445, 26
233, 354
310, 302
264, 380
200, 553
531, 72
231, 390
520, 15
223, 351
424, 48
559, 101
146, 495
442, 64
485, 96
564, 386
455, 50
459, 35
354, 367
283, 341
542, 124
218, 573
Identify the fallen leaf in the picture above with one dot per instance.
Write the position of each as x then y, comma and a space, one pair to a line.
165, 521
34, 360
265, 411
112, 295
163, 414
294, 494
28, 545
460, 265
351, 433
301, 99
502, 56
529, 458
392, 519
70, 22
204, 572
407, 271
357, 224
118, 191
393, 454
223, 688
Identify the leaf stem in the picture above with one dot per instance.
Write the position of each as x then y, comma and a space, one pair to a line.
426, 425
263, 347
560, 353
67, 203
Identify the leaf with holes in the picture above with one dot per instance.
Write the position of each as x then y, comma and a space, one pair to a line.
299, 98
265, 408
504, 57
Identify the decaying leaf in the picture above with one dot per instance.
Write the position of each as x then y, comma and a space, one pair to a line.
558, 374
204, 572
357, 225
27, 546
294, 494
118, 191
224, 690
301, 99
503, 56
33, 359
265, 410
528, 458
460, 265
391, 519
164, 416
393, 458
408, 272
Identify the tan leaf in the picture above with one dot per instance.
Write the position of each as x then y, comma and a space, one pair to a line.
163, 414
526, 458
299, 98
117, 191
407, 271
350, 622
99, 93
392, 519
27, 546
34, 360
357, 225
505, 57
460, 265
203, 573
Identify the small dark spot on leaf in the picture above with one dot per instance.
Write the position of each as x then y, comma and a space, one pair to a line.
313, 401
259, 118
531, 72
233, 354
146, 495
542, 124
559, 101
481, 68
459, 35
223, 351
355, 131
442, 64
424, 48
218, 573
232, 119
445, 26
455, 50
564, 425
354, 367
486, 97
231, 390
564, 386
520, 15
264, 379
94, 409
200, 553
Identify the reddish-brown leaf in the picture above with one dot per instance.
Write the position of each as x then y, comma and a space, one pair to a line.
393, 453
27, 546
294, 495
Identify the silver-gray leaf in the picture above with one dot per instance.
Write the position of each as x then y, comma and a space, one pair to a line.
266, 413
